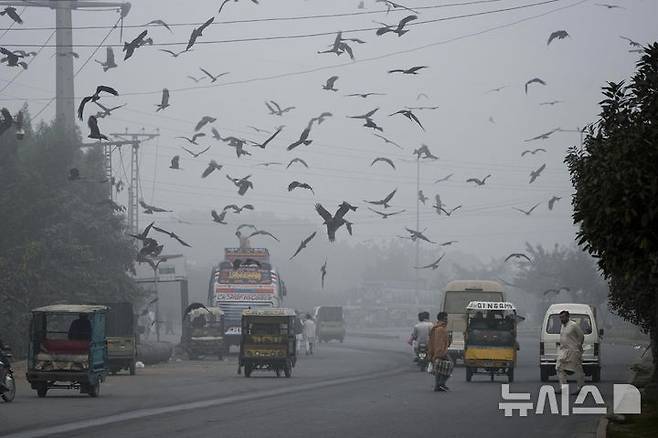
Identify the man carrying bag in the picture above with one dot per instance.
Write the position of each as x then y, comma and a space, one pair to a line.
438, 352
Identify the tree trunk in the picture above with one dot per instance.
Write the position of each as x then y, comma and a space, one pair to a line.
653, 335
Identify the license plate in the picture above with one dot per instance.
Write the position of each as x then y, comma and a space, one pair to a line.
234, 331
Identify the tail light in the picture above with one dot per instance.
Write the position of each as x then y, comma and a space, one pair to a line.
596, 349
541, 348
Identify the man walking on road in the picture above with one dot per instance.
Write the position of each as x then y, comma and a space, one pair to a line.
570, 355
309, 333
439, 341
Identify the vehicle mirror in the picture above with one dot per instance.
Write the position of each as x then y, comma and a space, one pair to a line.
600, 332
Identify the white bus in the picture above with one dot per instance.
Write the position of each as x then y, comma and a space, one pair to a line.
457, 296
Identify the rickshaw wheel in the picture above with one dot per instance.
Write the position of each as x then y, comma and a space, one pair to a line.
492, 376
278, 372
132, 369
247, 370
42, 390
510, 374
288, 369
94, 390
469, 374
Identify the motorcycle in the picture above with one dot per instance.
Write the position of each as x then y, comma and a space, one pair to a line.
7, 382
422, 357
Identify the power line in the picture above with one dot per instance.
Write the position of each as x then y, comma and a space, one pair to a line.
319, 34
21, 71
7, 29
270, 19
335, 66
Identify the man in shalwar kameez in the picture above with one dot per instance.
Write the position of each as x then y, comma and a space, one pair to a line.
570, 354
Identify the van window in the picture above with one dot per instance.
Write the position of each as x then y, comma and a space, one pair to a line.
553, 325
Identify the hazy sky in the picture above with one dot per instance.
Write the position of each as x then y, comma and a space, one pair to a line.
463, 66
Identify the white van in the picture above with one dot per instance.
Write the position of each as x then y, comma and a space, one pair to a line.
549, 339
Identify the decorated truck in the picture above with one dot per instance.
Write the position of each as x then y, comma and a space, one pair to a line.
245, 279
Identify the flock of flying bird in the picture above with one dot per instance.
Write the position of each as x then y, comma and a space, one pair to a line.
333, 222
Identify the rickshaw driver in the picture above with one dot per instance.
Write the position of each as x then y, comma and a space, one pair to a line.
80, 329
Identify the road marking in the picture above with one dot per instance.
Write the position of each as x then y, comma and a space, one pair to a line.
150, 412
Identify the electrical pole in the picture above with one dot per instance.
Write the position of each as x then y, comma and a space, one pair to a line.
65, 91
134, 139
417, 223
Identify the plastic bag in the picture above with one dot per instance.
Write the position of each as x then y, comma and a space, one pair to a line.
430, 368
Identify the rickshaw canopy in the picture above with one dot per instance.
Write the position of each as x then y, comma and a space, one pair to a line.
70, 308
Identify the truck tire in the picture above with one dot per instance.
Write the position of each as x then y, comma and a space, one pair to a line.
287, 370
247, 370
543, 373
42, 390
469, 374
510, 374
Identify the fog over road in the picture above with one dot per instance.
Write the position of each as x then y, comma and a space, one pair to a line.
365, 387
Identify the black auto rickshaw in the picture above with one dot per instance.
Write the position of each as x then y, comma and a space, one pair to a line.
203, 331
268, 341
121, 337
68, 348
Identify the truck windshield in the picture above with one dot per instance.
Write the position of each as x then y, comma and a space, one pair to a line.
553, 325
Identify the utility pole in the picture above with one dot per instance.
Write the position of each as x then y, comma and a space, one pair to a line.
108, 147
134, 139
65, 91
417, 223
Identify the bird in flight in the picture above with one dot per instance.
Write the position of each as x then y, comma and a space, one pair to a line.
409, 71
130, 47
194, 137
10, 12
297, 160
303, 138
409, 115
243, 184
264, 233
365, 95
437, 204
275, 109
497, 89
212, 166
552, 201
94, 97
543, 136
323, 272
339, 46
105, 110
559, 34
270, 163
434, 265
389, 4
527, 212
175, 162
196, 154
296, 184
386, 215
236, 209
424, 153
448, 243
532, 152
384, 202
417, 235
449, 212
333, 223
321, 118
12, 58
535, 173
329, 85
212, 77
150, 209
172, 235
173, 54
95, 133
164, 102
477, 181
159, 23
550, 102
445, 178
609, 6
197, 32
218, 217
399, 29
533, 81
631, 42
303, 244
109, 60
384, 160
196, 80
421, 197
422, 108
203, 122
269, 139
388, 141
518, 255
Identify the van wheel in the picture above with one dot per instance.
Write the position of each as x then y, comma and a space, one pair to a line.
596, 375
247, 370
287, 370
42, 390
132, 369
510, 374
543, 374
469, 374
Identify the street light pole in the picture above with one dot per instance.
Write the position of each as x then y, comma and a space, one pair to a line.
417, 222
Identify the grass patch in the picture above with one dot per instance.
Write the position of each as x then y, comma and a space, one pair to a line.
638, 426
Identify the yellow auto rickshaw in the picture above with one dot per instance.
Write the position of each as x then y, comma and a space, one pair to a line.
490, 344
268, 341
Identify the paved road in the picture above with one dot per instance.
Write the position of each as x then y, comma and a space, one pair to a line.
365, 387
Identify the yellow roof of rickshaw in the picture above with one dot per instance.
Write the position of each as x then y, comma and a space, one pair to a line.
71, 308
204, 310
490, 305
484, 285
271, 311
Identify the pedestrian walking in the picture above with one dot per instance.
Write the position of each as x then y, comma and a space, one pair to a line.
570, 355
439, 341
309, 334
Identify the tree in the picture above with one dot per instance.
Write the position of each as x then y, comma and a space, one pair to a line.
615, 177
60, 241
